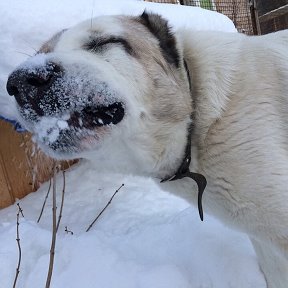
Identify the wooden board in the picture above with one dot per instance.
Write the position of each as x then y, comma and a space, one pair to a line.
22, 167
264, 6
6, 196
15, 167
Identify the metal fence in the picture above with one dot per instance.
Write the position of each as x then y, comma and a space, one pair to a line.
237, 10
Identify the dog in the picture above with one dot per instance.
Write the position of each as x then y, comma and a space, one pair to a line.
131, 95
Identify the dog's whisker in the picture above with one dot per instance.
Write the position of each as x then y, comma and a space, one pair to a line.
92, 14
23, 53
29, 45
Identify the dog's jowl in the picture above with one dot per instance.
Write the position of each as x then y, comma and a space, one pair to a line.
129, 93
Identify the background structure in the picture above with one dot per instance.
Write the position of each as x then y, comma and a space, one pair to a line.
252, 17
271, 15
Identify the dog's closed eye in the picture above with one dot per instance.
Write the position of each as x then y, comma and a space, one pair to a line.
97, 44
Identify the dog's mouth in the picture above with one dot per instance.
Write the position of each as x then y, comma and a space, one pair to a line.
78, 130
97, 116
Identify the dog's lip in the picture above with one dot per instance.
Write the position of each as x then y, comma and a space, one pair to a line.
93, 116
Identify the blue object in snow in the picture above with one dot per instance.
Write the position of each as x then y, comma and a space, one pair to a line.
16, 124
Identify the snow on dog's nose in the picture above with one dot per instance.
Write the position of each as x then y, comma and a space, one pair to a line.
66, 105
30, 86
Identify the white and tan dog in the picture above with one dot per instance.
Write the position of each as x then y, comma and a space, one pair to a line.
130, 95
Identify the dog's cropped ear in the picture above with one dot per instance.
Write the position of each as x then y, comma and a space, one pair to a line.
159, 27
49, 45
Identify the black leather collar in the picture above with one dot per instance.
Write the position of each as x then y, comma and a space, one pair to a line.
183, 170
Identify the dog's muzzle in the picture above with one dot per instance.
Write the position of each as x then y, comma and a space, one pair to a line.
31, 86
64, 107
47, 91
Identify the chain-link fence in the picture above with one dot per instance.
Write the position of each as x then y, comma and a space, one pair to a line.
237, 10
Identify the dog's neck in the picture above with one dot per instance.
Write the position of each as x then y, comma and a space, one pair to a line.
207, 106
210, 93
184, 169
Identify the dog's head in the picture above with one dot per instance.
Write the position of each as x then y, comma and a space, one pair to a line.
111, 87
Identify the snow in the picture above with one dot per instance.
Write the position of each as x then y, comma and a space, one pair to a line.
49, 128
146, 237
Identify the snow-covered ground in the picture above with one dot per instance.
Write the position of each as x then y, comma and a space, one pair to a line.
146, 237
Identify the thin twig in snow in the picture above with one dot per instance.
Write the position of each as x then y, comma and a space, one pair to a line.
20, 211
53, 242
109, 202
44, 203
68, 231
62, 201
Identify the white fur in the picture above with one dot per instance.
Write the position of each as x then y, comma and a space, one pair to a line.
239, 92
241, 137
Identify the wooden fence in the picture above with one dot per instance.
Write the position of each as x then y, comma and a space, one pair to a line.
271, 16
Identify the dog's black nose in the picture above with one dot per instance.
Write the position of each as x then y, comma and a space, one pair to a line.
29, 85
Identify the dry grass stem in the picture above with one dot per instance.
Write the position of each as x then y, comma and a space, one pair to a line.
53, 242
45, 200
109, 202
20, 211
62, 201
68, 231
